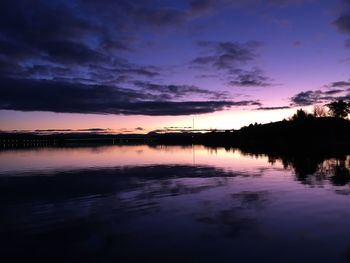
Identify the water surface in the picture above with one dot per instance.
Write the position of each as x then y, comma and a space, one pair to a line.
172, 204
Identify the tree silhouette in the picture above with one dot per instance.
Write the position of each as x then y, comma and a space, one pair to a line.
319, 111
339, 109
300, 115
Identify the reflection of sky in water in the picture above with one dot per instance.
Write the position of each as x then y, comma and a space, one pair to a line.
112, 156
225, 207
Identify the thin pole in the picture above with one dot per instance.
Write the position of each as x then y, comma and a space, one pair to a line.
193, 155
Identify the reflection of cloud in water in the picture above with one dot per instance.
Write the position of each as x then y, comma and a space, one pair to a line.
88, 212
133, 189
230, 222
237, 217
251, 199
71, 184
174, 187
156, 210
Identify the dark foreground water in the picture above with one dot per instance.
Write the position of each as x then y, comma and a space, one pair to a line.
172, 204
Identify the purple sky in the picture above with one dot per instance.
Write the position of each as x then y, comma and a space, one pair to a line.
148, 64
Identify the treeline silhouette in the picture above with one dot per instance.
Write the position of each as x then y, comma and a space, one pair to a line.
326, 130
320, 132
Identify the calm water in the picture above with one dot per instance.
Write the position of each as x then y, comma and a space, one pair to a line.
172, 204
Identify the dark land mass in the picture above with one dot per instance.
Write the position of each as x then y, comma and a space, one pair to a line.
10, 140
313, 134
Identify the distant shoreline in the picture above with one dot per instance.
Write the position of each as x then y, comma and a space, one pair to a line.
325, 133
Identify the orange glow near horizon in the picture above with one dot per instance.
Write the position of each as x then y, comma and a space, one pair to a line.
227, 119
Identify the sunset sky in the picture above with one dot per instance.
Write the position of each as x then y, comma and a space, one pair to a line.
142, 65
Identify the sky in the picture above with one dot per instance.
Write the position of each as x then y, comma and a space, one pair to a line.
142, 65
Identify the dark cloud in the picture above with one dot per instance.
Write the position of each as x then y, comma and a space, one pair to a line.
97, 73
66, 39
36, 95
72, 56
227, 55
274, 108
90, 130
150, 71
312, 97
209, 7
232, 61
128, 14
135, 14
253, 78
172, 92
95, 130
339, 84
286, 2
297, 44
347, 43
41, 30
199, 8
203, 6
69, 52
86, 31
332, 92
343, 23
335, 91
306, 98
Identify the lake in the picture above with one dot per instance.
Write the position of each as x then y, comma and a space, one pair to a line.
137, 203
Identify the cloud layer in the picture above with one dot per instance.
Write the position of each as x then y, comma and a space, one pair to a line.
39, 95
234, 61
73, 56
336, 91
77, 56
